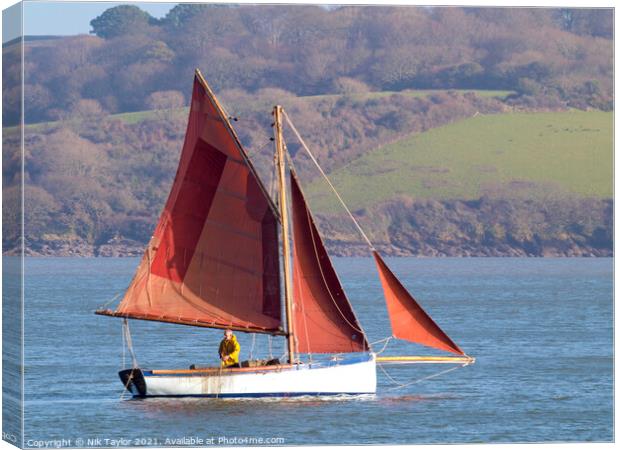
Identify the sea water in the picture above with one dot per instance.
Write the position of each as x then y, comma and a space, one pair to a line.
541, 331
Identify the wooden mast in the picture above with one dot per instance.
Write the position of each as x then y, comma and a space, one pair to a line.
286, 250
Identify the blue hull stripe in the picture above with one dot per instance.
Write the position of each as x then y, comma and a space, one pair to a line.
258, 395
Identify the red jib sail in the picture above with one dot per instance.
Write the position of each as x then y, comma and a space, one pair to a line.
409, 321
213, 259
323, 318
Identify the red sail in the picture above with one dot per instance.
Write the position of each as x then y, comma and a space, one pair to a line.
409, 321
323, 318
213, 259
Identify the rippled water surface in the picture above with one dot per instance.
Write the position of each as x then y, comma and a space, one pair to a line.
541, 330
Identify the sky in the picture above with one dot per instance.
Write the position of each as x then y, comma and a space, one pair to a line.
69, 18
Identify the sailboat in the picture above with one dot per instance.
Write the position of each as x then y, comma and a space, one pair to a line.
225, 255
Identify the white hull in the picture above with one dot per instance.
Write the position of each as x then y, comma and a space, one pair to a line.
355, 375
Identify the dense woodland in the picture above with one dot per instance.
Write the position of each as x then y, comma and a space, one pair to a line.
555, 57
96, 182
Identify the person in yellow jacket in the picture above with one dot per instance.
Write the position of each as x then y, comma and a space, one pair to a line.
229, 350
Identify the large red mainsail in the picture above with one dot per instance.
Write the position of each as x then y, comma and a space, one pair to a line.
213, 259
409, 321
323, 317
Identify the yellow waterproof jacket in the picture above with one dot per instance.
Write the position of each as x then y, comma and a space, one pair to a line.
230, 348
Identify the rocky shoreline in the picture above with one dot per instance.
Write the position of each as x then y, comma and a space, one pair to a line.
465, 252
116, 247
126, 248
426, 228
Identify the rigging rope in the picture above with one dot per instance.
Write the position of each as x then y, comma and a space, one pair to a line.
259, 149
122, 348
316, 163
110, 301
253, 344
419, 380
273, 188
125, 390
134, 361
126, 339
387, 341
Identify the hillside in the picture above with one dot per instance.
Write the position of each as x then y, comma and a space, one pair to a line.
450, 131
445, 173
258, 103
522, 155
549, 57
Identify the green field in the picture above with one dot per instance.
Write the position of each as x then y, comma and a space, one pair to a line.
506, 155
141, 116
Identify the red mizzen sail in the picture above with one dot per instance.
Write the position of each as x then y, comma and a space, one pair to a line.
323, 317
213, 259
409, 321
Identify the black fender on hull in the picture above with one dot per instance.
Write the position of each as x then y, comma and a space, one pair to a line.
133, 377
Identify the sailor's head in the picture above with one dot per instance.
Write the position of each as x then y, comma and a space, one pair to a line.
228, 334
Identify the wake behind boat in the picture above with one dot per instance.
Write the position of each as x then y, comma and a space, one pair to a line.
215, 261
